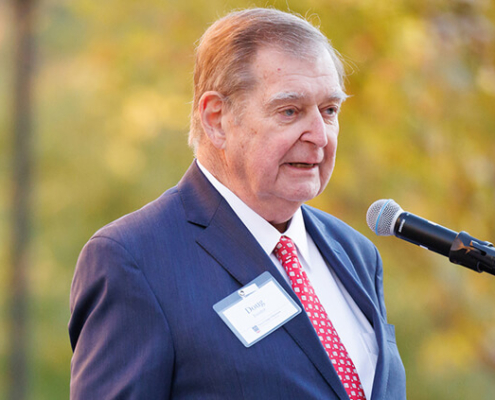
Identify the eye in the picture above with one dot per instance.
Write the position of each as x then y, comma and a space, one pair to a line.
289, 112
331, 111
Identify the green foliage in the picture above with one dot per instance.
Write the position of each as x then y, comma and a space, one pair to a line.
113, 92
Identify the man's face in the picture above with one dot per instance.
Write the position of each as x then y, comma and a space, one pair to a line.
280, 151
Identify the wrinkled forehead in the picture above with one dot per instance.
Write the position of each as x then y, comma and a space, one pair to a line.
289, 74
306, 57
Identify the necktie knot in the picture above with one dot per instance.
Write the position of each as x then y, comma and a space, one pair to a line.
285, 250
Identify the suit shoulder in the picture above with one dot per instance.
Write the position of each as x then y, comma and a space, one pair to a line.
340, 226
139, 224
340, 230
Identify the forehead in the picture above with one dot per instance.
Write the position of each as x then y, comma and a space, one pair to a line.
281, 75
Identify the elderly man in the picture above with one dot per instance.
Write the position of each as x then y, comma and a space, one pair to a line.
227, 286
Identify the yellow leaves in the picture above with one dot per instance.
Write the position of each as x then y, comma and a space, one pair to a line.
145, 115
413, 42
444, 352
147, 111
485, 79
113, 92
125, 160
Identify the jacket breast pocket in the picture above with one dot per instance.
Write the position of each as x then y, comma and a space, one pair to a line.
371, 345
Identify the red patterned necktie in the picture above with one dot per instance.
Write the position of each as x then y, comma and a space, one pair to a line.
286, 253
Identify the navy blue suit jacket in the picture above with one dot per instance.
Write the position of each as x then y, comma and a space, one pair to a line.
143, 326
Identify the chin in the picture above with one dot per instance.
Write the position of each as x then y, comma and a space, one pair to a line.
303, 195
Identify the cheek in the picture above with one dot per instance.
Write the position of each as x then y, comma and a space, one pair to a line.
271, 152
330, 156
332, 143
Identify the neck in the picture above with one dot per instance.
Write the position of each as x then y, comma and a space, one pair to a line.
277, 215
282, 227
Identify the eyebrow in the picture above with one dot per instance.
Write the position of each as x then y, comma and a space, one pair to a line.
282, 97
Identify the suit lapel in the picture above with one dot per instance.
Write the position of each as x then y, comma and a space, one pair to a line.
336, 256
224, 236
235, 249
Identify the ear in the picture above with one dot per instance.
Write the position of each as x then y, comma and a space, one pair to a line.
211, 108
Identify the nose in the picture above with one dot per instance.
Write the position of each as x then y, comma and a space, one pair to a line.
316, 130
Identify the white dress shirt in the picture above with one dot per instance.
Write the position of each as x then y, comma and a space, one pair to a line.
355, 331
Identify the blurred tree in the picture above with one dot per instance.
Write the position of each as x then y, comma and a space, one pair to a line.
21, 191
113, 87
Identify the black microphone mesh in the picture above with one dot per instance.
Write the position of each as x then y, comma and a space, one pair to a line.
381, 216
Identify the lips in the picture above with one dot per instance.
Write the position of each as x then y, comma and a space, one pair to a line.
302, 165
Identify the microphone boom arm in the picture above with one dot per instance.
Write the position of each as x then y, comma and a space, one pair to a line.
473, 253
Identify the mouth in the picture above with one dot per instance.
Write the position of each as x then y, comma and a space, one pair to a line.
302, 165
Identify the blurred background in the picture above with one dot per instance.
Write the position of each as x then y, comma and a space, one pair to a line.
95, 125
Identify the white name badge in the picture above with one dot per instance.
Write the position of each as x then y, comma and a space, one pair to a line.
257, 309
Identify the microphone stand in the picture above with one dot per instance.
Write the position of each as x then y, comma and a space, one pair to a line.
473, 253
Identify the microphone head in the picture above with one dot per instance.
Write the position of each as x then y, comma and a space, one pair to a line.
382, 215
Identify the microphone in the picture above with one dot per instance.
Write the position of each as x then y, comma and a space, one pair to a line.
387, 218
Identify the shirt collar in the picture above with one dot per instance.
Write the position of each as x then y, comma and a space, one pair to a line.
265, 233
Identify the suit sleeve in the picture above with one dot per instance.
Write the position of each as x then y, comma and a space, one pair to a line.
119, 335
